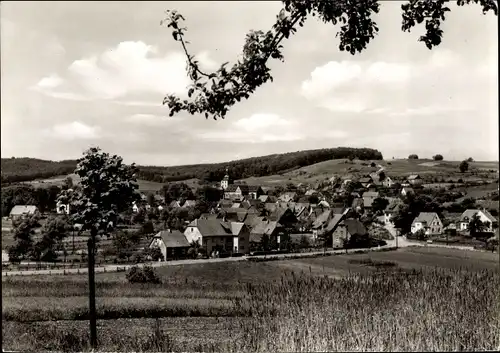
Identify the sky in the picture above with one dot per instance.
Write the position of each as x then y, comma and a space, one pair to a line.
81, 74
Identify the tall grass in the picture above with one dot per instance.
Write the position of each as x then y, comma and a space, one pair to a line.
444, 310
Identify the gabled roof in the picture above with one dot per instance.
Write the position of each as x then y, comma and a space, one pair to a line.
333, 223
213, 227
413, 177
172, 239
243, 188
189, 203
407, 189
425, 217
467, 215
175, 204
263, 198
321, 219
365, 180
355, 227
19, 210
261, 227
236, 227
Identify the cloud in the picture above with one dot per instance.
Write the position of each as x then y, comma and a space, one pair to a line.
73, 131
258, 128
152, 119
130, 68
51, 81
394, 87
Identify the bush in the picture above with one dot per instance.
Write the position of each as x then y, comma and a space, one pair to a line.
412, 156
146, 274
438, 157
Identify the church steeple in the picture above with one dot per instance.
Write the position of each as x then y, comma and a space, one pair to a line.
225, 181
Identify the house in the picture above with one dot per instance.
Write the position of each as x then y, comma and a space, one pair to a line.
324, 203
368, 198
172, 244
284, 216
414, 179
20, 211
254, 191
365, 181
341, 229
405, 191
230, 192
135, 207
189, 203
287, 196
160, 208
358, 203
264, 226
175, 204
321, 222
218, 235
429, 222
486, 218
388, 182
62, 208
311, 192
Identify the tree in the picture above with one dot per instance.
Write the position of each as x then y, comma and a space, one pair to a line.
107, 188
379, 204
412, 156
214, 93
438, 157
148, 228
68, 183
194, 249
151, 200
23, 236
54, 231
475, 225
464, 166
470, 160
304, 242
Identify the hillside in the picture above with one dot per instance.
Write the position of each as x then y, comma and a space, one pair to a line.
29, 169
429, 170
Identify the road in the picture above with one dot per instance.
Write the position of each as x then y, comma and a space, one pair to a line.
402, 242
118, 268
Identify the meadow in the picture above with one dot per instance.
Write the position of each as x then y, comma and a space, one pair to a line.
410, 299
394, 168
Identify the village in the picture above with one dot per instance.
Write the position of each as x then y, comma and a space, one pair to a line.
241, 220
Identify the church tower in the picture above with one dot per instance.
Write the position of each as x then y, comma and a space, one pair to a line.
225, 181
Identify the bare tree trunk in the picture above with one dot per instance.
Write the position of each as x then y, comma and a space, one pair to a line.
92, 307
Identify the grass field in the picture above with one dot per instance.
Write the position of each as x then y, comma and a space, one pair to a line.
343, 302
394, 168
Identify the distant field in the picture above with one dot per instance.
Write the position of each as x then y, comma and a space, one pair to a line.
395, 168
144, 185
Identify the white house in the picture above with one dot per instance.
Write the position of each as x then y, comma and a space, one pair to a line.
135, 207
407, 190
429, 222
192, 233
20, 211
62, 208
488, 220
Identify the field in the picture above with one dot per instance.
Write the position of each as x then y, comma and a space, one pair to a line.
346, 302
394, 168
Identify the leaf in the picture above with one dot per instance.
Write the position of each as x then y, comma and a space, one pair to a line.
174, 34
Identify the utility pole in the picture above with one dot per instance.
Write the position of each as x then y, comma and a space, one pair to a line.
92, 310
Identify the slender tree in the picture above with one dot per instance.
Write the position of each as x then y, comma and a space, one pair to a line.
107, 188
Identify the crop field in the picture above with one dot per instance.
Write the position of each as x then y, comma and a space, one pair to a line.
430, 298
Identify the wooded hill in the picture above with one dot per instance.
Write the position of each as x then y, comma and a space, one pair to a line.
27, 169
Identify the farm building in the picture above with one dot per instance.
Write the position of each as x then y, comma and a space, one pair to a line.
20, 211
172, 244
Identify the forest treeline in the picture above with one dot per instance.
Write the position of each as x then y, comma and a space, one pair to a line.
27, 169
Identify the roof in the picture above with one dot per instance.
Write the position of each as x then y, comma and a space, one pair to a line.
213, 227
254, 188
336, 218
373, 194
236, 227
173, 239
355, 227
231, 188
321, 219
261, 227
243, 187
19, 210
365, 180
189, 203
426, 217
469, 213
236, 205
311, 192
407, 189
263, 198
413, 177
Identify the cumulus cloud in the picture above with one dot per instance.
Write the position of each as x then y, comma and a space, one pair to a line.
73, 131
130, 68
50, 81
260, 127
393, 87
